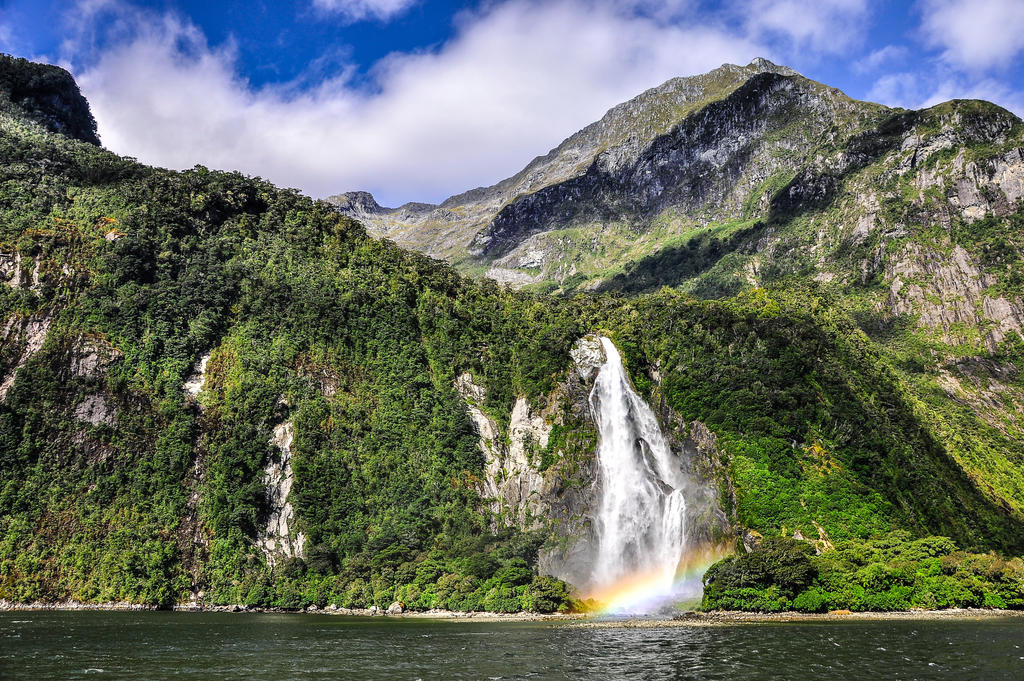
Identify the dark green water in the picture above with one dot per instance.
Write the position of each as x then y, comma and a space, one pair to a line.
156, 645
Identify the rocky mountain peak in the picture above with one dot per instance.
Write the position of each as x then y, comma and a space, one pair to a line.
632, 123
762, 64
358, 203
606, 171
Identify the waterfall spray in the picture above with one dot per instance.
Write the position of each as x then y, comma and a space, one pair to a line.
641, 527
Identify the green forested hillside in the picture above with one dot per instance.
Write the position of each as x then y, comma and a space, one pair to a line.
118, 484
907, 222
149, 269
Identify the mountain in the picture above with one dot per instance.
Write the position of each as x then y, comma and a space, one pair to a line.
755, 178
215, 391
684, 155
743, 177
47, 96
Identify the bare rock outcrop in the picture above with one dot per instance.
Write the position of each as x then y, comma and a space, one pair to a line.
278, 538
91, 356
27, 334
512, 486
96, 410
949, 292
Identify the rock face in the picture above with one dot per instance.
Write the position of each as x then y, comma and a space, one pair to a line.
28, 335
587, 357
949, 292
95, 411
360, 204
561, 499
279, 541
512, 486
91, 357
19, 273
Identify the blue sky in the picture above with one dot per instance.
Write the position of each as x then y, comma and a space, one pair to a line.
417, 99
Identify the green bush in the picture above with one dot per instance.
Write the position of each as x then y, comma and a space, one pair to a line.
811, 600
895, 572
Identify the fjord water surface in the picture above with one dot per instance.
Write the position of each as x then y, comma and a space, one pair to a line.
154, 646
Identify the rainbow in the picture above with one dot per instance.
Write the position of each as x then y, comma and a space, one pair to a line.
648, 592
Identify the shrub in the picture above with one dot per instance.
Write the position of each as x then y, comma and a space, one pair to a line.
811, 600
894, 572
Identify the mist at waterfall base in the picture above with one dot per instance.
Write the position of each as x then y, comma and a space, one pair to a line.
644, 562
648, 593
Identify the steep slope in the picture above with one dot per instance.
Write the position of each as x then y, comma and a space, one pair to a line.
214, 390
914, 230
677, 158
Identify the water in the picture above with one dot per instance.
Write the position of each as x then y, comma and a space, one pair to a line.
641, 514
154, 646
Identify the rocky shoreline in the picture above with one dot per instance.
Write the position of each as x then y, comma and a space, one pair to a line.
372, 611
686, 619
725, 618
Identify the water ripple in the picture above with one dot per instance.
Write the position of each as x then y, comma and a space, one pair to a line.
157, 646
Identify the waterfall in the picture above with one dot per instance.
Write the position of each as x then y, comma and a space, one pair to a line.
640, 519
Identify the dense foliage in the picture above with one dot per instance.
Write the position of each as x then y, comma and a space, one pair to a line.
790, 383
354, 341
895, 572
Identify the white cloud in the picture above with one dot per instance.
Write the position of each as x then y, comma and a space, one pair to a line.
662, 10
880, 57
974, 34
516, 79
357, 10
825, 26
988, 89
916, 91
897, 89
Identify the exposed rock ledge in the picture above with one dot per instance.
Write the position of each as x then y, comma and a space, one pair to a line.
278, 541
30, 333
512, 486
947, 292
